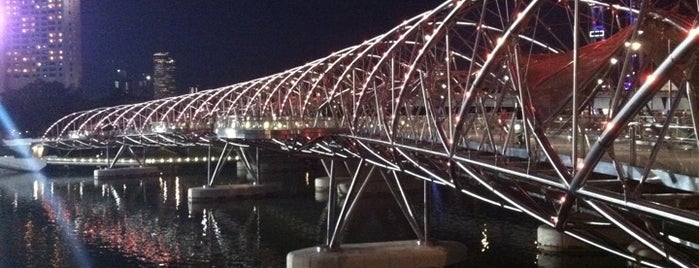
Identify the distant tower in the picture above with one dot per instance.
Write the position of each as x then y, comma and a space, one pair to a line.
163, 76
41, 41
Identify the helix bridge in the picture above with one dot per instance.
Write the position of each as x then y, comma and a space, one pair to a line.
580, 114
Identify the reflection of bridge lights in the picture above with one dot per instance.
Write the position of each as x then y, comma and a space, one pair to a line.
178, 193
164, 187
485, 245
37, 190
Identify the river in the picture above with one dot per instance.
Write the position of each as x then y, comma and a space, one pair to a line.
71, 220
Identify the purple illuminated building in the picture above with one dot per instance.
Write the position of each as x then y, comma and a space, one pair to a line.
40, 42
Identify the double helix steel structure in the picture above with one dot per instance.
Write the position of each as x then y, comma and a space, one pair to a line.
580, 114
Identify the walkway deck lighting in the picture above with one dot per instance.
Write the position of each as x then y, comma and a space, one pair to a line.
635, 46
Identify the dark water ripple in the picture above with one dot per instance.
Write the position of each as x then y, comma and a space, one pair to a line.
148, 223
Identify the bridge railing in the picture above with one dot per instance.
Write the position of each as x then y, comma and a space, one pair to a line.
633, 148
234, 127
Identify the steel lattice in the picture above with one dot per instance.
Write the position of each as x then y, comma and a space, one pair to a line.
425, 99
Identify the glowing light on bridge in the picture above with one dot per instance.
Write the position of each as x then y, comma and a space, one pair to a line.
650, 78
635, 46
694, 32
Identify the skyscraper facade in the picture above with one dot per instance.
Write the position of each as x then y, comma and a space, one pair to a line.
163, 76
40, 42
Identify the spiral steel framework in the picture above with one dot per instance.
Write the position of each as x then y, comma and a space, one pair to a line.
425, 98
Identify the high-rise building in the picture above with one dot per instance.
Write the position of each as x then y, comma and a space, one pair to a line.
40, 42
163, 76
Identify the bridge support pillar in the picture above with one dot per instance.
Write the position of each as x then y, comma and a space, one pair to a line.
382, 254
551, 240
111, 171
261, 166
333, 253
322, 187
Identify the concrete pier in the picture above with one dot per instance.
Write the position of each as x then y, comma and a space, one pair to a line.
125, 172
551, 240
642, 252
232, 191
322, 184
398, 254
21, 164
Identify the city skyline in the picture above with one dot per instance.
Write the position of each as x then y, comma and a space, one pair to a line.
217, 43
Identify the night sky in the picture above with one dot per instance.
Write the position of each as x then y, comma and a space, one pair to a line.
222, 42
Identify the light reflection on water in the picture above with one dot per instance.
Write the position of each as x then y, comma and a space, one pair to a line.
145, 223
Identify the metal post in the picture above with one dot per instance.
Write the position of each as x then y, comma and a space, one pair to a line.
257, 163
403, 203
426, 210
219, 164
632, 145
208, 164
692, 97
116, 157
350, 202
574, 129
332, 196
658, 142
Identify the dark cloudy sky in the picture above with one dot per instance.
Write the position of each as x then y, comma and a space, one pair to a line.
221, 42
